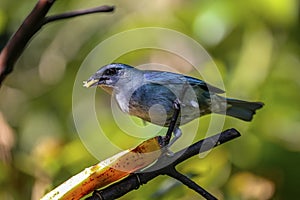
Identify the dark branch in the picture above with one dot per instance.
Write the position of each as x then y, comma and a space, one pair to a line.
134, 181
15, 46
78, 13
206, 144
30, 26
191, 184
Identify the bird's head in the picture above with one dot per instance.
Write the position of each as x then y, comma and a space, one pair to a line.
110, 76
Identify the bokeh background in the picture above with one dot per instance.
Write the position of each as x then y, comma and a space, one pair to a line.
255, 45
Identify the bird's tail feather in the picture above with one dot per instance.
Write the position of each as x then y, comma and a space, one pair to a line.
242, 109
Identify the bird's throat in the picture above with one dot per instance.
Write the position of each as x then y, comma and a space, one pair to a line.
107, 89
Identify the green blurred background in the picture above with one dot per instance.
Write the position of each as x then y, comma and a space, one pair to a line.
255, 45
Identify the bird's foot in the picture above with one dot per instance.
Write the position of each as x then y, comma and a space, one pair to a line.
173, 129
168, 152
177, 103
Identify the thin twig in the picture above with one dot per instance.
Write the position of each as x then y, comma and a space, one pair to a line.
191, 184
206, 145
78, 13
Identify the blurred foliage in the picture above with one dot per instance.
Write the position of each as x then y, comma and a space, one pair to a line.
255, 45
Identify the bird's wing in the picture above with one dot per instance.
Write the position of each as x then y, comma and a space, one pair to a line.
165, 78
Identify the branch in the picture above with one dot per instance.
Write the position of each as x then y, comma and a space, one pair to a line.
30, 26
134, 181
78, 13
191, 184
15, 46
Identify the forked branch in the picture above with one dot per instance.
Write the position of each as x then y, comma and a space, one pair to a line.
32, 24
134, 181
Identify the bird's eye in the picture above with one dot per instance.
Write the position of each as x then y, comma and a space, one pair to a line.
111, 71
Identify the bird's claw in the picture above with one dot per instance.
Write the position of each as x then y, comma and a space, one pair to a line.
169, 153
177, 103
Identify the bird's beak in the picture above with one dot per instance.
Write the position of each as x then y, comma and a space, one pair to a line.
94, 80
90, 82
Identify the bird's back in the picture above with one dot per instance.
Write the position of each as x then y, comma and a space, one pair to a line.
153, 100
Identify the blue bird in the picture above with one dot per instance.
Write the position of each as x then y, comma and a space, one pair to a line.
150, 95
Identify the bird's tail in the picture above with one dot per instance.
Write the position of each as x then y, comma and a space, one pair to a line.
242, 109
